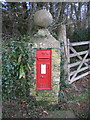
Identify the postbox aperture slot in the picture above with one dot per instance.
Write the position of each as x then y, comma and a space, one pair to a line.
43, 58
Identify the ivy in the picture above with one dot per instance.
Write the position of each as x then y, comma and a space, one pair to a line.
16, 66
80, 35
62, 63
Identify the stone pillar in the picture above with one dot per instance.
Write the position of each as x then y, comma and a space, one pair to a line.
46, 41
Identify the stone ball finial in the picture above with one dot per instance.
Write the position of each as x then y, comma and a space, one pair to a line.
43, 18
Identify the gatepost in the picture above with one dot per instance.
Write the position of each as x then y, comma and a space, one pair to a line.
47, 61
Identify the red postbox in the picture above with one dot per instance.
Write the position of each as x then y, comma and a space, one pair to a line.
43, 68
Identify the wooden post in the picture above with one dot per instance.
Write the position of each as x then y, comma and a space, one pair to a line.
68, 58
89, 56
64, 61
63, 40
62, 37
89, 48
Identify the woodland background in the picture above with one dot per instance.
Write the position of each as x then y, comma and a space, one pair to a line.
18, 17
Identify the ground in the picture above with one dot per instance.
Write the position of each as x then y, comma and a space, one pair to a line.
75, 99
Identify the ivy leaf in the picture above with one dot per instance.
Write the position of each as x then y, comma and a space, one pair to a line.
28, 66
19, 59
22, 74
21, 49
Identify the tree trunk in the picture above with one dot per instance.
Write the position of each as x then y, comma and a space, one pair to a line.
88, 13
64, 54
63, 63
30, 19
62, 37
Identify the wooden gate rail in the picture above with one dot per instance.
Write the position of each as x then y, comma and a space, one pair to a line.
73, 75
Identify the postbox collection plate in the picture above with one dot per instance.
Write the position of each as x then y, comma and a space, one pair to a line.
43, 68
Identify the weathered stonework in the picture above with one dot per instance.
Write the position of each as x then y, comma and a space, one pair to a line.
44, 40
51, 96
43, 18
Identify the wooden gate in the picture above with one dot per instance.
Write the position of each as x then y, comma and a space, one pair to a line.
78, 61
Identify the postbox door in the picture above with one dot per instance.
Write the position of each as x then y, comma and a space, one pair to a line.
43, 71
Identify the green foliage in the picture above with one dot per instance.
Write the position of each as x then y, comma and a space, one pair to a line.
63, 74
62, 63
80, 35
16, 66
55, 35
39, 36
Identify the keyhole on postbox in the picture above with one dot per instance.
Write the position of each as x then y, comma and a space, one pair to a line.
42, 76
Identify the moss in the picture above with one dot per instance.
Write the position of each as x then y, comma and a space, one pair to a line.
50, 95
